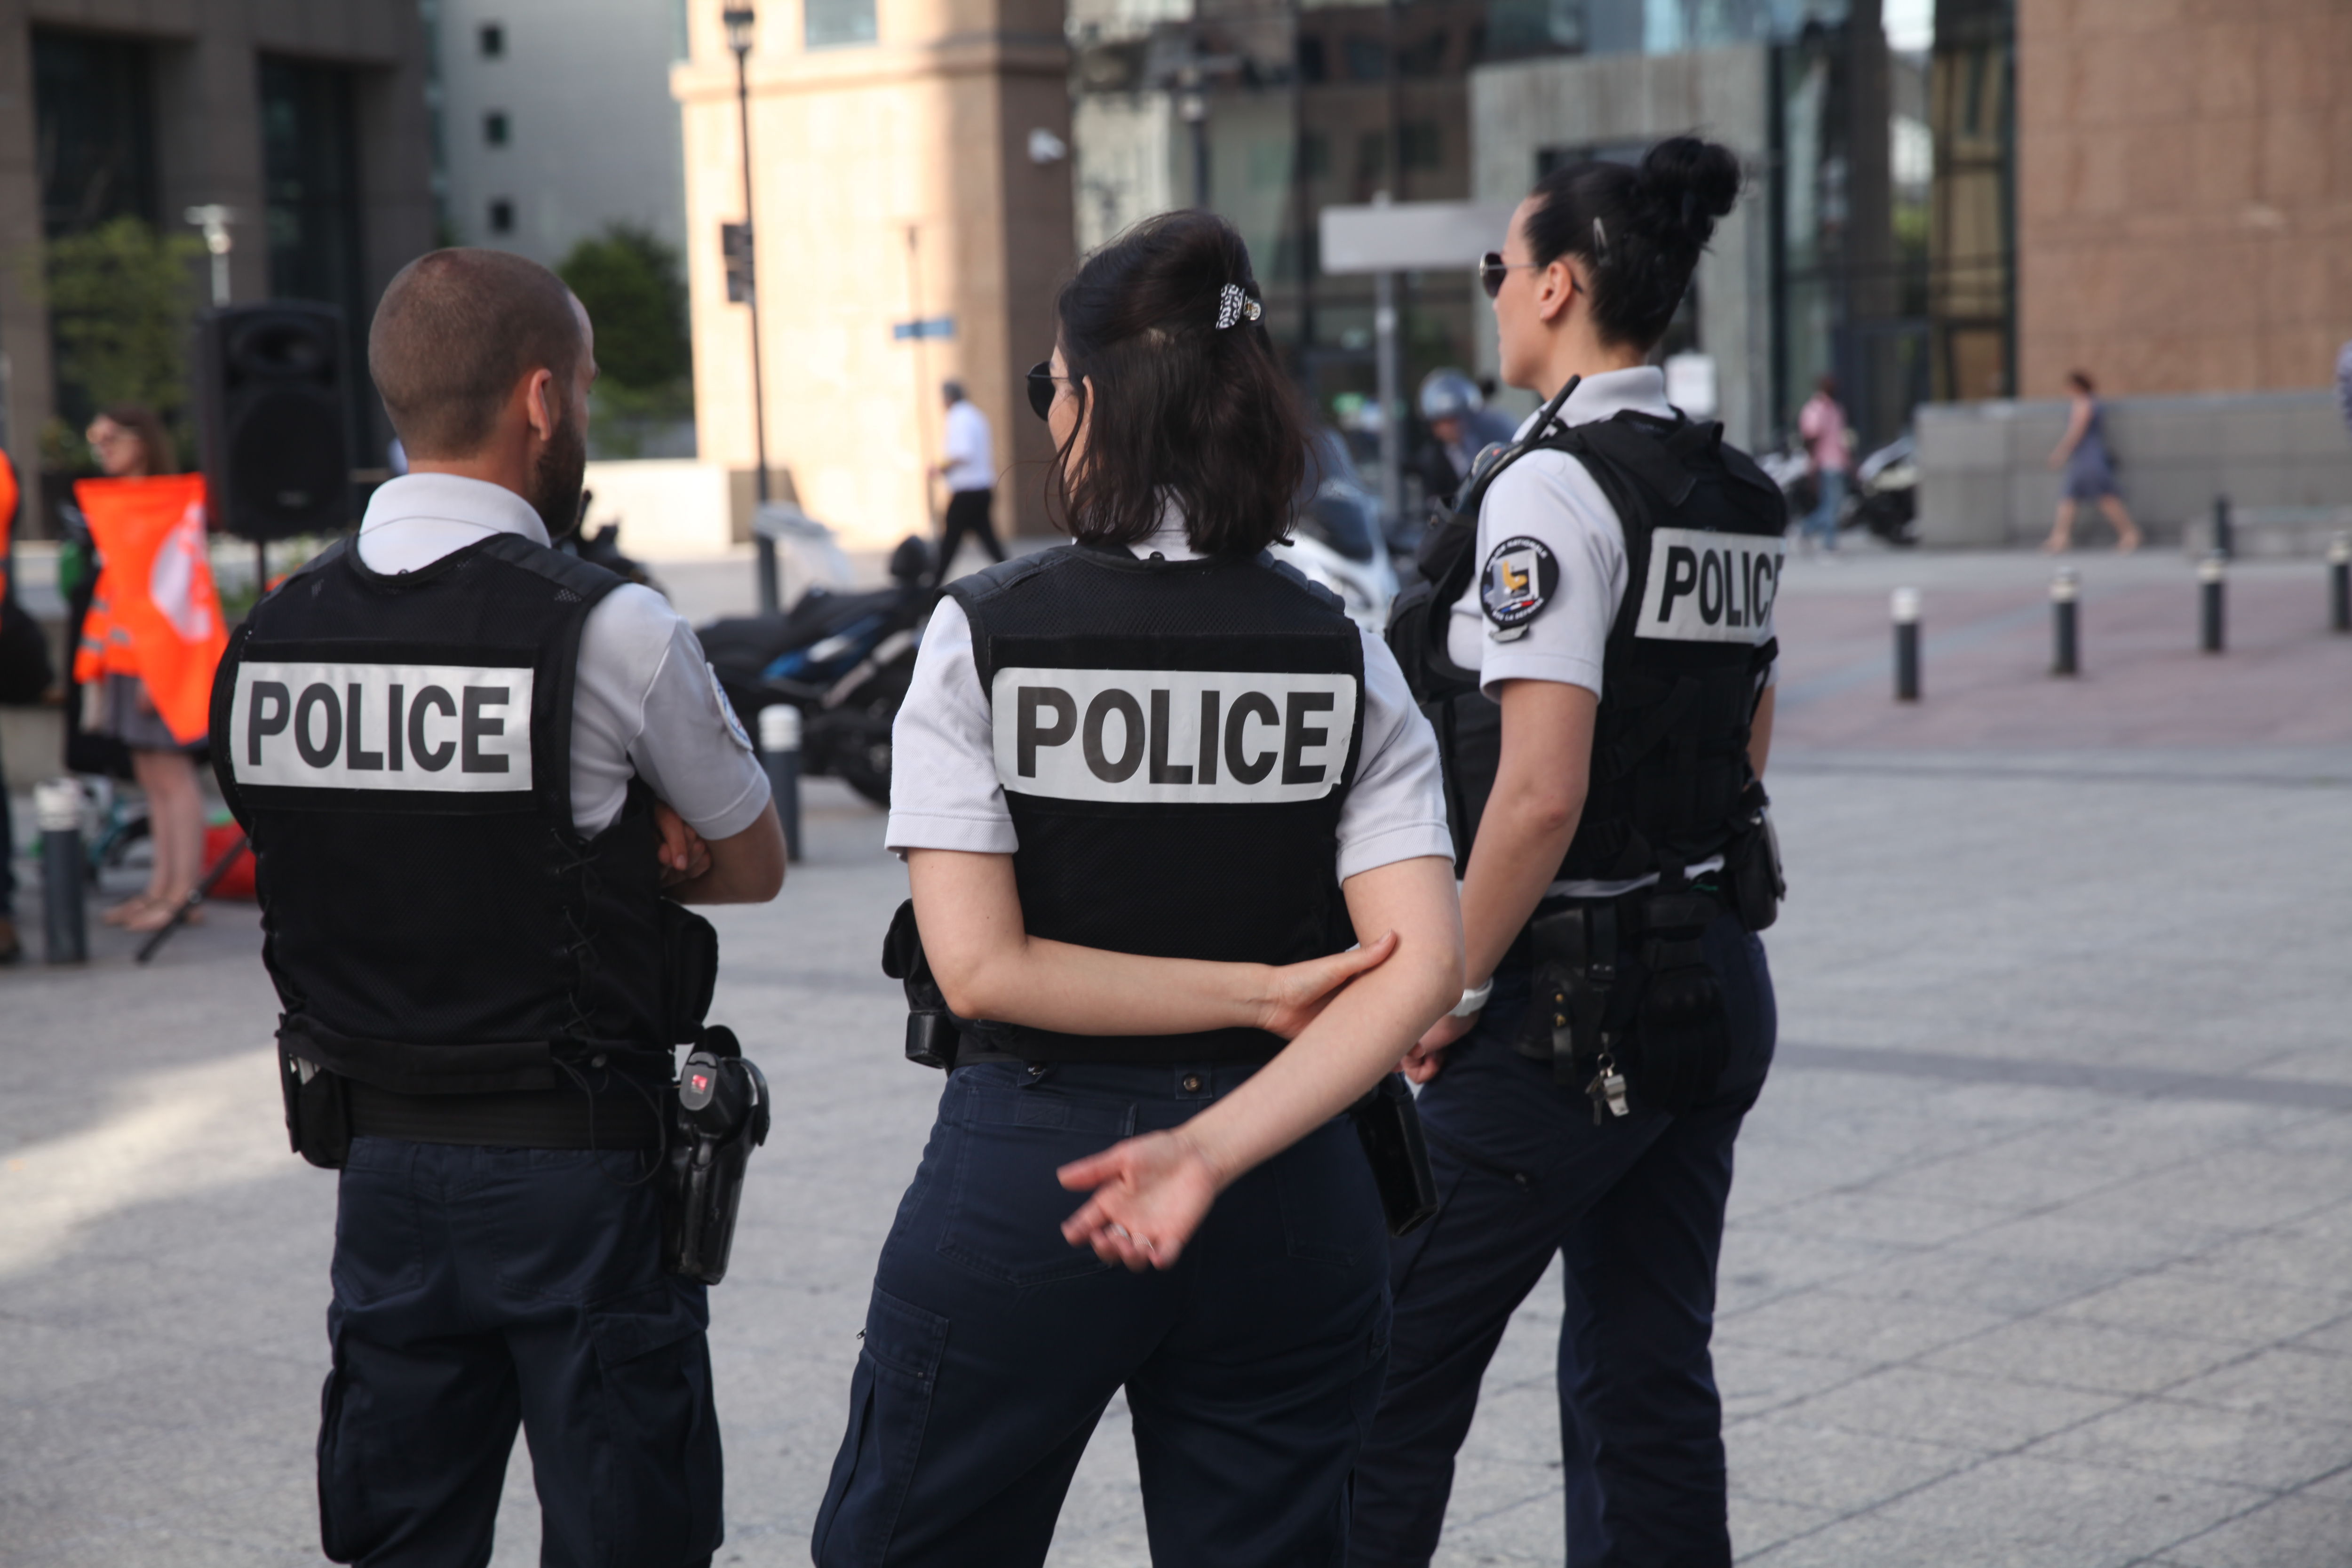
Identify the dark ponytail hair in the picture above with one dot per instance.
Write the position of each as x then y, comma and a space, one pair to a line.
1183, 410
1638, 230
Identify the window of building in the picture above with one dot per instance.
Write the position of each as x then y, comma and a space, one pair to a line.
311, 185
1313, 66
93, 131
1315, 155
836, 24
493, 41
1366, 61
495, 128
1420, 147
502, 217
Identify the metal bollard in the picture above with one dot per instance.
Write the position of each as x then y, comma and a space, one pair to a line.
56, 806
780, 751
2065, 656
2210, 572
1906, 644
2339, 582
2225, 533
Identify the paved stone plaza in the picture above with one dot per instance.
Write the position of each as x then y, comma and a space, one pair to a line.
2040, 1251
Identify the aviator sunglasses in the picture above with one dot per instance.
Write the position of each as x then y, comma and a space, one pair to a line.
1492, 270
1041, 386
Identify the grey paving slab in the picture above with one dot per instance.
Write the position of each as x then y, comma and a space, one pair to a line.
2103, 1514
1784, 1458
1987, 1414
2072, 1353
1825, 1323
2175, 1437
2300, 1531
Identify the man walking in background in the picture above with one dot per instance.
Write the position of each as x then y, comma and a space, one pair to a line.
971, 473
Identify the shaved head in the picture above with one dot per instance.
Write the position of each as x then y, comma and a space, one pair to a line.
455, 331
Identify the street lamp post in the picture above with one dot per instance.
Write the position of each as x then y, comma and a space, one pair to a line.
739, 20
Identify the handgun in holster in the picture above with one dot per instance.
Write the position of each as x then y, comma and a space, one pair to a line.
721, 1115
931, 1030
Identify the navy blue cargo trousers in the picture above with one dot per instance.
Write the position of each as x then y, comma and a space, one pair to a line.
991, 1345
478, 1289
1635, 1209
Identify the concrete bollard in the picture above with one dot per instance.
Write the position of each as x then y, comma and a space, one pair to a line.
2225, 531
780, 751
64, 918
2066, 651
1906, 644
2210, 573
2339, 582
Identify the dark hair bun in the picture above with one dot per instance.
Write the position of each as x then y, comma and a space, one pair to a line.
1692, 183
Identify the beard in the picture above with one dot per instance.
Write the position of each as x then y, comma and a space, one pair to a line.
557, 479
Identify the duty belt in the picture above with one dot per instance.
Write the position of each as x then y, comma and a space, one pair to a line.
1575, 948
565, 1117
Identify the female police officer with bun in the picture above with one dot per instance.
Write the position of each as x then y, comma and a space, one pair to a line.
1597, 649
1132, 775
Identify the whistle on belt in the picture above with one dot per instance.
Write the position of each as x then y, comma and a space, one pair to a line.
721, 1115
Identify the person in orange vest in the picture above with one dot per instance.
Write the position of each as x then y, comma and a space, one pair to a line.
152, 638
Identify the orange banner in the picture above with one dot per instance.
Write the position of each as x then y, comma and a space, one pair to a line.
156, 613
7, 516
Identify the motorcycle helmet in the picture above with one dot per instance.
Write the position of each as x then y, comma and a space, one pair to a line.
912, 562
1449, 395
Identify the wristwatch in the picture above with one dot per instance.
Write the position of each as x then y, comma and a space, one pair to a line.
1473, 1001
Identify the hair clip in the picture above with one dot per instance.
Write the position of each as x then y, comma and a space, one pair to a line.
1232, 305
1600, 244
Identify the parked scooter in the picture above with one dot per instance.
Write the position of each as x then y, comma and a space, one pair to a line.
1335, 539
844, 659
1883, 497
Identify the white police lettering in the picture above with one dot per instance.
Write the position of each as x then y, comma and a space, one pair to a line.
1710, 587
447, 729
1171, 736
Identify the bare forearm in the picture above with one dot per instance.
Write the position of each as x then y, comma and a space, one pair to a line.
1760, 732
1516, 855
746, 868
1090, 991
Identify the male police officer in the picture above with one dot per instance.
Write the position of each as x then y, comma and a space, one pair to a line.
470, 765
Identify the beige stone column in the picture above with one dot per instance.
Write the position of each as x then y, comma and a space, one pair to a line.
926, 129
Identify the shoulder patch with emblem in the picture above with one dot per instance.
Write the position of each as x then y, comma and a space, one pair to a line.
1520, 578
734, 725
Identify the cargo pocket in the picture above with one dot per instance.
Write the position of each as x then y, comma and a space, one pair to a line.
345, 1532
890, 1407
379, 1242
658, 1484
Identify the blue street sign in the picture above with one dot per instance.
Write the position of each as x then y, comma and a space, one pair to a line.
928, 327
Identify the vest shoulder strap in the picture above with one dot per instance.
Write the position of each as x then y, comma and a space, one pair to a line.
566, 570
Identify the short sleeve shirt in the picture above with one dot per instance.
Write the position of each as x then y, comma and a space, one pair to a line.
647, 703
944, 793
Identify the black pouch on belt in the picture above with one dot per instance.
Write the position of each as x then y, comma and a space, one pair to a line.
1388, 1124
1574, 957
1682, 1034
931, 1033
318, 1109
1751, 870
721, 1114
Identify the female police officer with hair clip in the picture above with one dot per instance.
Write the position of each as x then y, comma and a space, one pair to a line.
1150, 786
1595, 647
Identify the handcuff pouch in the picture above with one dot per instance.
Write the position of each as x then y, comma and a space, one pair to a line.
318, 1109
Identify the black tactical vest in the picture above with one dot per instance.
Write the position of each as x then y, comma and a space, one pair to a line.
398, 748
1670, 782
1175, 739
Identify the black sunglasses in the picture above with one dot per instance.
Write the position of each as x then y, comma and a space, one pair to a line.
1041, 386
1493, 269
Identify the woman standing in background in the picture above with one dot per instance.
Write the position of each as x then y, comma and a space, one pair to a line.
130, 443
2090, 471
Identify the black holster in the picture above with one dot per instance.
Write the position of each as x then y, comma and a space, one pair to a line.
318, 1109
720, 1115
1671, 1037
932, 1032
1388, 1124
1751, 872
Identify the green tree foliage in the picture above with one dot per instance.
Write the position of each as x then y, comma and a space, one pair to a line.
635, 295
122, 300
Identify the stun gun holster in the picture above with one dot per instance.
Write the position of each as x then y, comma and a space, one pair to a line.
721, 1115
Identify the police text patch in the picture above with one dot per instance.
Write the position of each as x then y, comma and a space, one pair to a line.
1520, 578
1710, 587
440, 727
1171, 736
